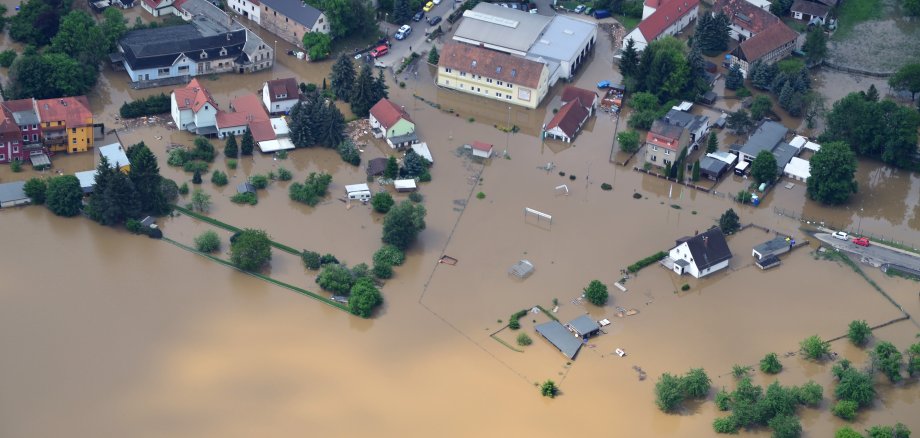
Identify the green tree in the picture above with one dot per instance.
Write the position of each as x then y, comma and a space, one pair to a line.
203, 150
330, 129
231, 150
695, 176
335, 278
739, 121
311, 260
833, 174
301, 130
845, 409
364, 298
219, 178
859, 333
814, 348
734, 79
362, 92
113, 27
145, 175
854, 385
695, 384
596, 293
629, 141
523, 340
38, 21
121, 200
729, 222
809, 394
740, 371
887, 359
847, 432
402, 224
312, 190
725, 425
712, 33
7, 57
414, 164
781, 8
629, 60
80, 38
347, 17
247, 143
770, 364
761, 107
669, 392
392, 169
433, 56
342, 77
786, 426
763, 168
36, 189
196, 177
897, 431
201, 201
49, 75
380, 86
913, 360
907, 78
382, 202
815, 47
712, 144
207, 241
64, 196
349, 153
882, 130
259, 181
251, 250
549, 389
389, 255
318, 45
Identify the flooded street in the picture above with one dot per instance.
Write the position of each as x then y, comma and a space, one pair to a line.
105, 333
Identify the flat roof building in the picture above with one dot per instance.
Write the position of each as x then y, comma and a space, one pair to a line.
560, 337
503, 29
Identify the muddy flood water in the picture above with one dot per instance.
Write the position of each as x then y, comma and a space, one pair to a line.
104, 333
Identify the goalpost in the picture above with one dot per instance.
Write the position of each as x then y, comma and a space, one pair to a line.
538, 214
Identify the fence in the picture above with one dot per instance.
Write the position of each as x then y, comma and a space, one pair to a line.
881, 238
846, 69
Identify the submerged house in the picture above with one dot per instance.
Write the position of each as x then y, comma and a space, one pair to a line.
280, 95
193, 109
558, 335
566, 124
392, 122
701, 255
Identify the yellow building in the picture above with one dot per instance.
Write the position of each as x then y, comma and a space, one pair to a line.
492, 74
67, 124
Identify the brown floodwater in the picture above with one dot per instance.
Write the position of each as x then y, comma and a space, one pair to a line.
109, 334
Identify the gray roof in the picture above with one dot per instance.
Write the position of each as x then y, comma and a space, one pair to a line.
26, 117
39, 160
405, 138
87, 180
562, 338
296, 10
12, 191
778, 242
690, 121
682, 263
712, 165
518, 31
584, 325
245, 188
708, 248
161, 46
783, 154
563, 38
765, 138
376, 166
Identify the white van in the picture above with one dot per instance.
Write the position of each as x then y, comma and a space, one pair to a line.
360, 192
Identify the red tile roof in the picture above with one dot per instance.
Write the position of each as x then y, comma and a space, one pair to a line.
569, 118
388, 113
745, 15
665, 16
492, 64
481, 146
283, 87
664, 135
73, 111
771, 38
571, 92
7, 122
262, 130
20, 105
810, 8
193, 96
248, 111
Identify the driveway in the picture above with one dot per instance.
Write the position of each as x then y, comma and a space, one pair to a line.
875, 254
416, 41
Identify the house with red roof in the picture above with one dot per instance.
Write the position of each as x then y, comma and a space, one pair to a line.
10, 137
588, 98
392, 122
669, 18
193, 109
66, 124
745, 18
247, 113
568, 121
481, 149
279, 95
772, 44
664, 142
159, 8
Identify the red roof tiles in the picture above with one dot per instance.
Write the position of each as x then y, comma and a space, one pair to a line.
745, 15
666, 15
248, 111
481, 146
492, 64
286, 87
388, 113
193, 96
569, 118
571, 92
73, 111
773, 37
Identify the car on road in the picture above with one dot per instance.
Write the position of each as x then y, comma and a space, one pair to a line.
428, 6
434, 20
840, 235
579, 9
861, 241
403, 32
603, 84
418, 16
379, 51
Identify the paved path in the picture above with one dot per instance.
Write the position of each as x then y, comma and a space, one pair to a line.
875, 255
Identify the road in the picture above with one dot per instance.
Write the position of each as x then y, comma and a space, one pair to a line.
875, 255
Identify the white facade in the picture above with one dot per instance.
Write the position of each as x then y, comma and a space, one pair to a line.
162, 8
797, 169
245, 8
181, 117
682, 252
185, 118
639, 41
280, 105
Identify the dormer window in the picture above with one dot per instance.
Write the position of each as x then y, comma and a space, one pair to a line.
281, 96
223, 51
204, 55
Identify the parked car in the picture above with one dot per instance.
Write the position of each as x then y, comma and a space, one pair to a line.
601, 13
861, 241
533, 10
437, 2
579, 9
434, 20
379, 51
428, 6
841, 235
403, 32
603, 84
589, 10
418, 16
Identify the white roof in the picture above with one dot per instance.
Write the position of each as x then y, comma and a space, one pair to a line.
798, 168
280, 126
563, 39
115, 154
812, 146
684, 106
87, 178
404, 183
798, 142
501, 28
357, 188
726, 157
743, 164
277, 144
422, 149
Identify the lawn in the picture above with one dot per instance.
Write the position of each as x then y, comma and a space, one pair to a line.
853, 12
629, 23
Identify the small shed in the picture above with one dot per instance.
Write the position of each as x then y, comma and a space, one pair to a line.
404, 185
584, 326
558, 335
87, 180
776, 246
522, 269
770, 261
246, 187
149, 222
376, 166
116, 156
481, 149
422, 149
712, 169
40, 160
708, 98
797, 169
12, 194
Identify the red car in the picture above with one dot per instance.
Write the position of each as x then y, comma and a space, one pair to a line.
861, 241
380, 51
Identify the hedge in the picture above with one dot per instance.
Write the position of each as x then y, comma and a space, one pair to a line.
156, 104
635, 267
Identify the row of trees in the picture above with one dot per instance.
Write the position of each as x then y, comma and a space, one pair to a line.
347, 17
360, 89
147, 106
789, 81
316, 122
665, 70
882, 130
775, 408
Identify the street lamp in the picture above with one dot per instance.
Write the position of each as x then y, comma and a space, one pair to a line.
859, 222
508, 136
274, 58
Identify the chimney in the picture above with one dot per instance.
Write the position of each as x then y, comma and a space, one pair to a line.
706, 242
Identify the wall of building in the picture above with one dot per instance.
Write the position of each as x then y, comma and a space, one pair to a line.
180, 117
206, 116
490, 88
679, 25
402, 127
181, 68
288, 29
245, 9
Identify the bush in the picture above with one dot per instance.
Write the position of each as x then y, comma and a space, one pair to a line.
685, 287
36, 189
549, 389
729, 222
424, 176
725, 425
859, 333
183, 189
203, 150
770, 364
846, 409
382, 202
148, 106
284, 174
847, 432
335, 278
219, 178
311, 190
389, 255
654, 258
328, 259
514, 324
311, 260
281, 155
195, 166
739, 371
259, 181
364, 298
606, 187
785, 426
251, 250
723, 400
809, 394
416, 197
814, 348
245, 198
480, 195
207, 241
523, 340
349, 153
133, 226
596, 293
231, 164
7, 57
382, 272
668, 392
177, 157
16, 166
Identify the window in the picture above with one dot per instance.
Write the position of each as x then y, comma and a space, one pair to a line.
15, 149
489, 80
461, 85
654, 147
478, 90
446, 69
163, 71
274, 12
204, 55
667, 152
34, 137
320, 20
510, 85
73, 130
500, 83
508, 96
34, 126
74, 140
223, 51
654, 158
463, 73
25, 138
2, 157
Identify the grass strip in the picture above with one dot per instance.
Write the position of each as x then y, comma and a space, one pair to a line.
548, 313
229, 227
303, 292
500, 341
